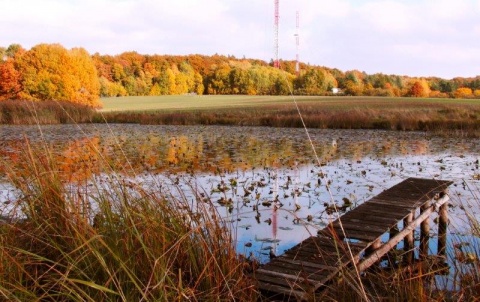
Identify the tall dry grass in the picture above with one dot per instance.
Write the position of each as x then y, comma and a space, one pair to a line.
18, 112
112, 240
438, 118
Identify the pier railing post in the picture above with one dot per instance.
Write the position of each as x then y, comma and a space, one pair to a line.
408, 241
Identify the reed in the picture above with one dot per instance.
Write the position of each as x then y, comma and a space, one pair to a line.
111, 239
438, 118
18, 112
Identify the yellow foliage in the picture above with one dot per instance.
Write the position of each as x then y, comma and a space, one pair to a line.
463, 92
50, 72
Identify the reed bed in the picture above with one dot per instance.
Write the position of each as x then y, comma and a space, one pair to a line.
437, 118
112, 240
18, 112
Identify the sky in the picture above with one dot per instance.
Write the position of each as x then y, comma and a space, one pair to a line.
403, 37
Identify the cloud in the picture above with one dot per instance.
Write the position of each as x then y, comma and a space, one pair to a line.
411, 36
390, 17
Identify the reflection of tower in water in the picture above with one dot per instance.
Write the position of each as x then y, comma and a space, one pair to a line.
274, 212
296, 181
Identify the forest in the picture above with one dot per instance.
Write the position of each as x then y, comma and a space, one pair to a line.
52, 72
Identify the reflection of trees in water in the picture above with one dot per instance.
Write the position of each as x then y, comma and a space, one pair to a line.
223, 149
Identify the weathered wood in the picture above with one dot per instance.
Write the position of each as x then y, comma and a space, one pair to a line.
391, 233
299, 276
355, 226
310, 265
408, 241
424, 234
368, 261
306, 264
278, 290
373, 247
442, 230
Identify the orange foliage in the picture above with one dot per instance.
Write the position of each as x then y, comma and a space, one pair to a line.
50, 72
419, 89
9, 81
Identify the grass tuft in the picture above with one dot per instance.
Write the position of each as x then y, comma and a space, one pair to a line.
18, 112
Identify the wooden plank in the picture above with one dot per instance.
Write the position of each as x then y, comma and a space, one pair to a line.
351, 234
326, 259
350, 225
376, 209
299, 279
405, 204
375, 221
321, 246
306, 264
281, 291
290, 268
371, 215
383, 208
326, 244
283, 285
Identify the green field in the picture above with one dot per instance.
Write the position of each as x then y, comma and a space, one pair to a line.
194, 102
339, 112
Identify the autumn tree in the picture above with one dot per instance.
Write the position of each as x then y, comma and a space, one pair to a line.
463, 93
352, 83
219, 80
50, 72
418, 88
111, 89
315, 81
9, 80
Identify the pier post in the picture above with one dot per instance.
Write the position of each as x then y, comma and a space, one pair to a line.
408, 241
424, 233
442, 230
391, 256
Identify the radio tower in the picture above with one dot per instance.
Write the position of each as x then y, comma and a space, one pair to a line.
276, 62
297, 38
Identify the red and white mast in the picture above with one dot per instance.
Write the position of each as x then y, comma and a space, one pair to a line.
276, 62
297, 38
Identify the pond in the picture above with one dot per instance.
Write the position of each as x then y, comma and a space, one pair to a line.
268, 184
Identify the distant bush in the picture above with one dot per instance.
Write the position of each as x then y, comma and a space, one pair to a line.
16, 112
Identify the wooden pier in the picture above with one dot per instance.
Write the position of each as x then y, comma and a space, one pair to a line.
353, 241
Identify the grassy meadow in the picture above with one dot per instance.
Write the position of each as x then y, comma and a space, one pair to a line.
444, 116
212, 102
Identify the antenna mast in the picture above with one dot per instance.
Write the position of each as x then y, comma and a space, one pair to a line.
276, 62
297, 38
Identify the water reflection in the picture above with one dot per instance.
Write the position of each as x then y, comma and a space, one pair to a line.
264, 181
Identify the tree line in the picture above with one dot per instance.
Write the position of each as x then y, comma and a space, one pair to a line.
51, 72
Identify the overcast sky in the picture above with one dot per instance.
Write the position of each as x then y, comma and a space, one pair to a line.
404, 37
